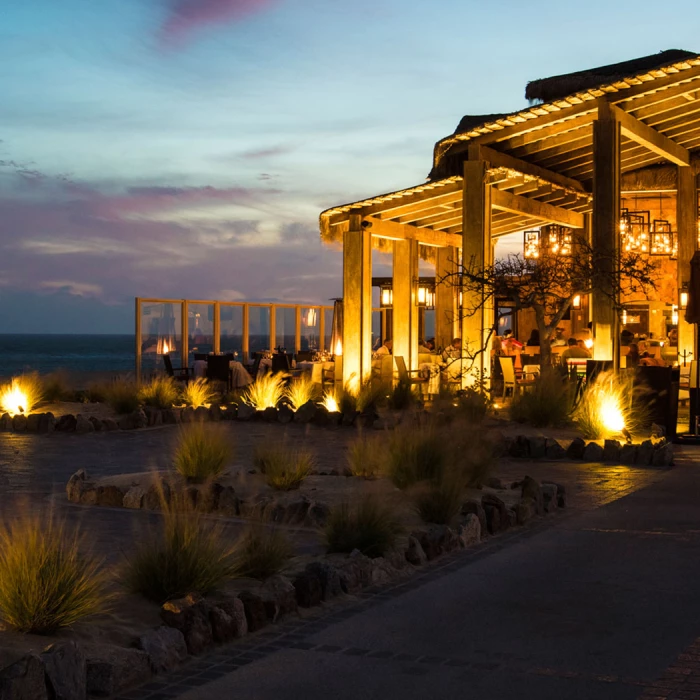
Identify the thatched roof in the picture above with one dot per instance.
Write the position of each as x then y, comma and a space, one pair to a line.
558, 86
470, 121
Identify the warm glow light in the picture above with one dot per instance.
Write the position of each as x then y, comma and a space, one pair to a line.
610, 412
164, 346
421, 295
387, 295
576, 303
330, 403
311, 317
338, 350
684, 300
13, 400
588, 342
624, 317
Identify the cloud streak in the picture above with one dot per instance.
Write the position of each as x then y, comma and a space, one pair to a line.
187, 16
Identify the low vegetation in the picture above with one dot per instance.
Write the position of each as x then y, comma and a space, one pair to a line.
414, 455
440, 503
365, 457
122, 395
160, 392
368, 526
22, 395
202, 452
402, 396
198, 392
370, 396
547, 403
284, 467
261, 551
47, 581
301, 391
186, 555
55, 387
265, 392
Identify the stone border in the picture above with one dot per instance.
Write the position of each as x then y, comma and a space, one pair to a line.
657, 452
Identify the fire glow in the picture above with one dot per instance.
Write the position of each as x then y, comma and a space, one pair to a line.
21, 395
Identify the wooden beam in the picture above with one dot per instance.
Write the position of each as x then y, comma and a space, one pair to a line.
503, 160
644, 135
505, 201
532, 141
399, 232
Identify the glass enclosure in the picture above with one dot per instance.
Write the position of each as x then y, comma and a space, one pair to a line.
231, 329
160, 324
285, 328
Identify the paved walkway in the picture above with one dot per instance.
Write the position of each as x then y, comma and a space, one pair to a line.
600, 603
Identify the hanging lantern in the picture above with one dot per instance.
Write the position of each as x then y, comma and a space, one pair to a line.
386, 297
531, 244
558, 240
634, 231
426, 295
662, 239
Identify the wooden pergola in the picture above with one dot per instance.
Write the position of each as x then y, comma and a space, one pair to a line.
558, 162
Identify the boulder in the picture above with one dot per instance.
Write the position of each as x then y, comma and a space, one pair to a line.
154, 416
555, 450
229, 503
328, 576
628, 454
561, 493
66, 423
6, 423
109, 425
47, 423
80, 489
24, 680
33, 422
111, 669
270, 414
531, 489
593, 452
382, 571
255, 613
134, 421
285, 414
306, 413
436, 540
475, 507
83, 425
96, 424
190, 615
171, 416
492, 503
187, 415
493, 482
215, 413
469, 531
133, 498
279, 595
165, 646
576, 449
156, 494
19, 423
414, 551
208, 499
520, 447
228, 619
657, 430
645, 453
611, 451
109, 495
538, 447
349, 417
308, 588
66, 671
201, 414
663, 455
355, 571
246, 412
525, 510
317, 514
549, 497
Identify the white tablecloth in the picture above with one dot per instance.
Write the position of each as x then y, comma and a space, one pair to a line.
316, 369
431, 372
239, 375
200, 368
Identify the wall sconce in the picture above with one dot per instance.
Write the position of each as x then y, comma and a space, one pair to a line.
683, 298
576, 303
624, 317
426, 296
386, 297
674, 315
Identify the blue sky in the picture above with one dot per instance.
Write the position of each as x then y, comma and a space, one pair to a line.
184, 148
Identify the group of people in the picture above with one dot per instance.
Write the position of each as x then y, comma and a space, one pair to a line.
452, 352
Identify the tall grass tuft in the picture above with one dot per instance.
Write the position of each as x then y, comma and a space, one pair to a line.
439, 503
122, 395
46, 581
265, 392
609, 405
548, 403
188, 555
470, 453
198, 393
370, 395
22, 395
160, 392
55, 387
301, 391
365, 457
202, 452
284, 467
368, 526
402, 396
261, 552
415, 454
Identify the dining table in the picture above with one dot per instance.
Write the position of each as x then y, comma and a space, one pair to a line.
316, 368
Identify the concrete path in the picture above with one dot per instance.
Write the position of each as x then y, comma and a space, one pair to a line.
596, 605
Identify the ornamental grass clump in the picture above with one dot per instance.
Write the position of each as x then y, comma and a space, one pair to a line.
415, 453
185, 555
265, 392
368, 526
370, 395
160, 392
547, 403
470, 453
198, 393
301, 391
261, 551
202, 452
47, 579
122, 395
22, 395
284, 467
55, 387
402, 395
439, 503
365, 457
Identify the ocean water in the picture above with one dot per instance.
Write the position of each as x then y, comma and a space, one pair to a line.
73, 353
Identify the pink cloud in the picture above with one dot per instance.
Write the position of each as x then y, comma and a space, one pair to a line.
187, 15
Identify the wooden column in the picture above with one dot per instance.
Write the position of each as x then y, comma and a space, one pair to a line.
606, 228
404, 305
357, 303
446, 296
476, 253
687, 225
137, 336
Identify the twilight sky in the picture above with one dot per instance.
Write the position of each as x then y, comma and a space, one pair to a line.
184, 148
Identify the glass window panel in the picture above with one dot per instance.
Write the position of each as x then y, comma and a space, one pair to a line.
285, 328
231, 329
161, 332
258, 328
376, 329
429, 328
310, 328
200, 330
327, 328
